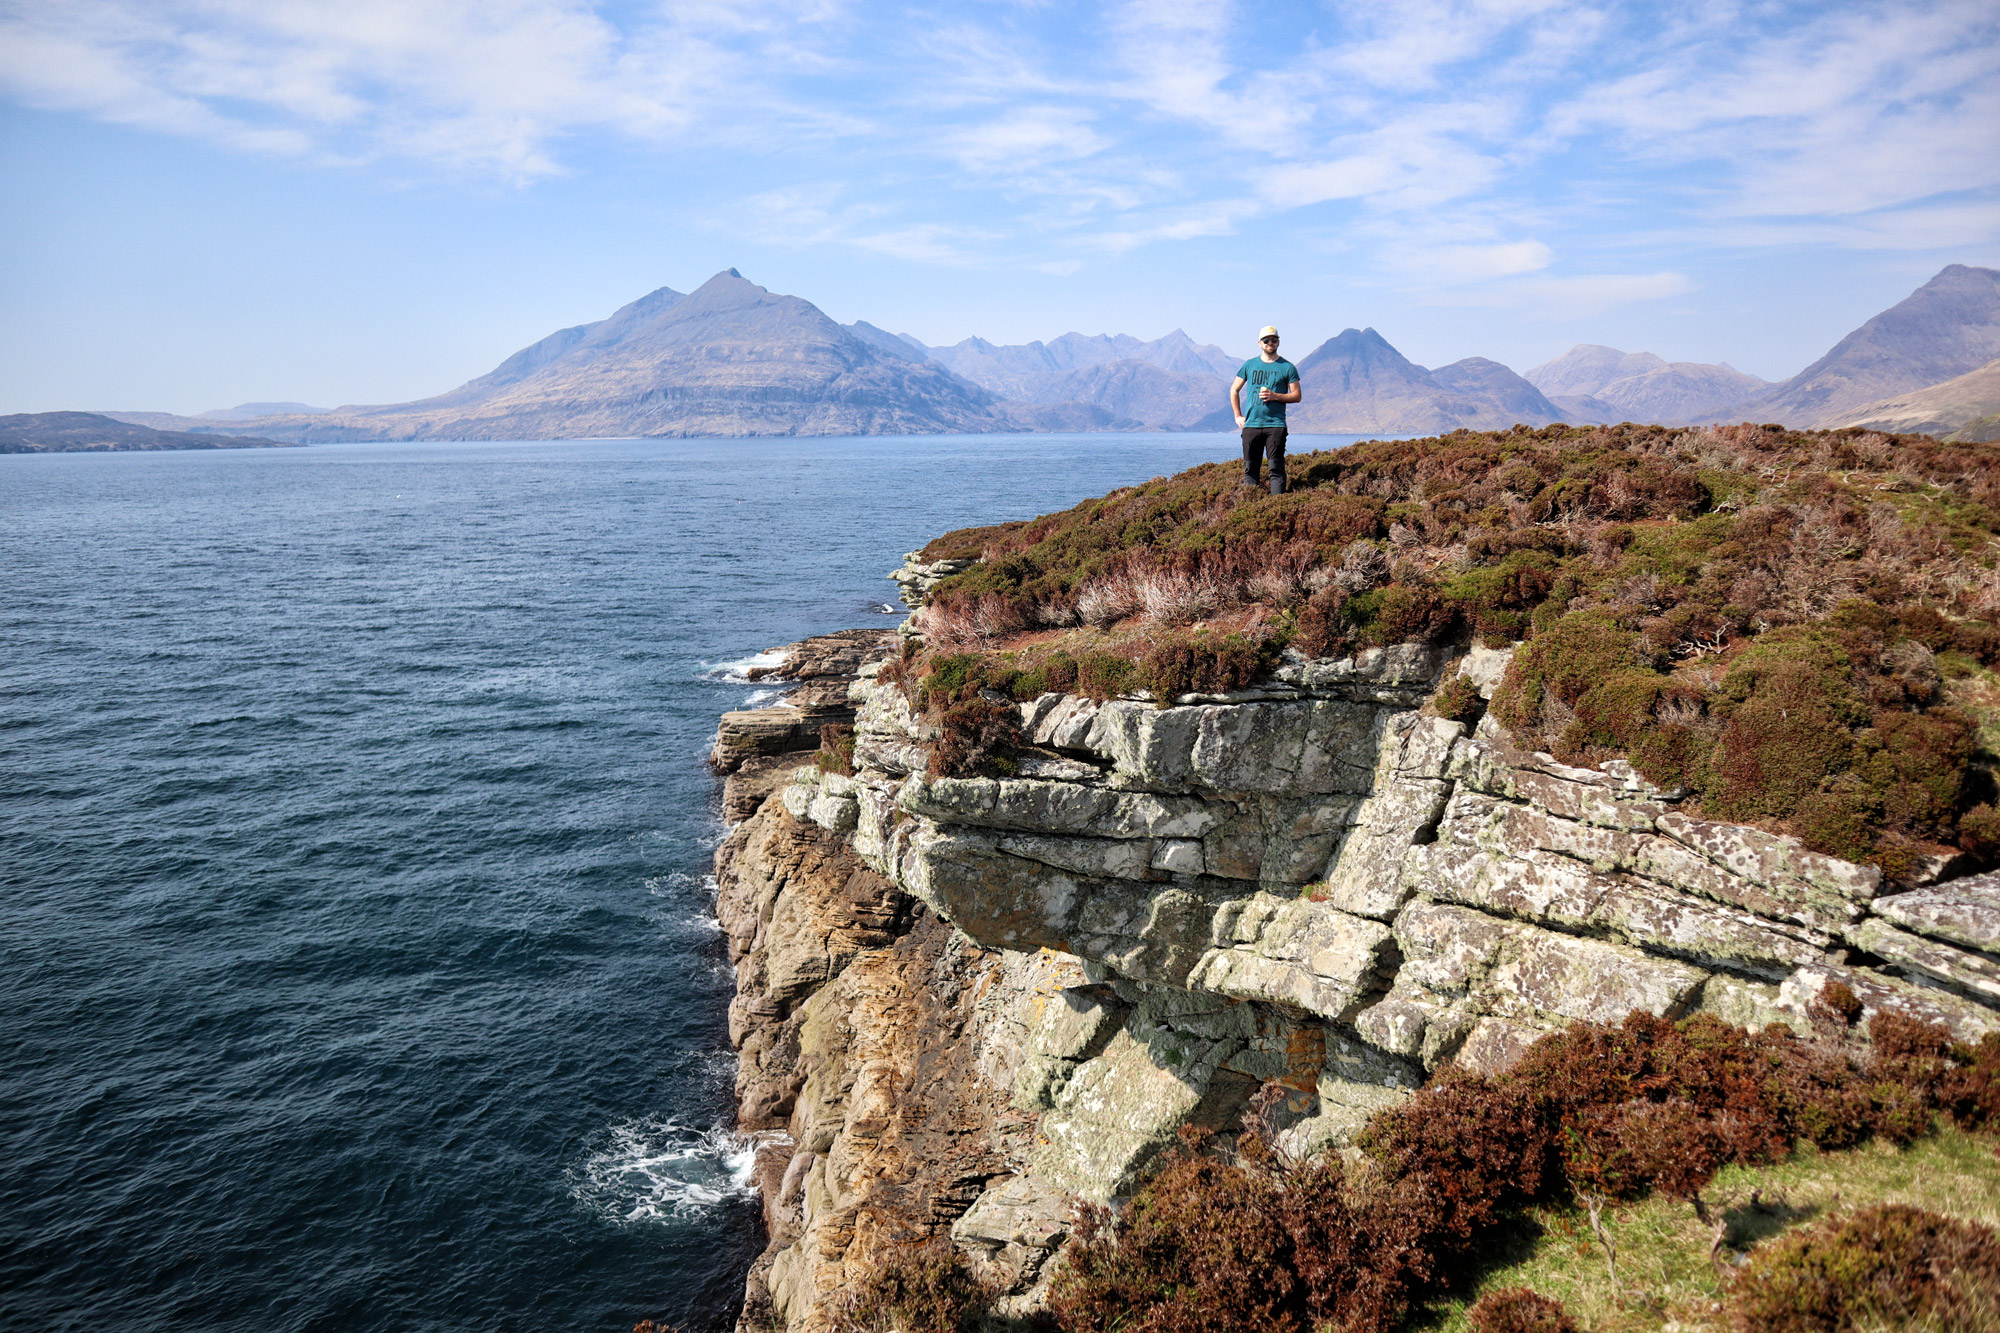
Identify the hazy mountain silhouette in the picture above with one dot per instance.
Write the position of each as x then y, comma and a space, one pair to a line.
1598, 383
1947, 327
1357, 382
727, 359
1169, 381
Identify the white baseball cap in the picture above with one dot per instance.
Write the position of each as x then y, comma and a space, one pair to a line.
1268, 331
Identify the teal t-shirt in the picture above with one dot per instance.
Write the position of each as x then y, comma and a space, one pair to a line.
1277, 376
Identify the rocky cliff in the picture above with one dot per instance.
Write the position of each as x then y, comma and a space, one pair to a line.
963, 1002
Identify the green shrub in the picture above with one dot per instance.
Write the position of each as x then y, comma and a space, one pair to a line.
1560, 664
1789, 711
1889, 1266
1102, 675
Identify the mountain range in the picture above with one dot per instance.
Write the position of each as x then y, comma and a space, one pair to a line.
733, 359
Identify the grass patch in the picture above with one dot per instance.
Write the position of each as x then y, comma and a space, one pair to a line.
1663, 1249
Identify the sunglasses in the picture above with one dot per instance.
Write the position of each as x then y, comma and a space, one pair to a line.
1267, 340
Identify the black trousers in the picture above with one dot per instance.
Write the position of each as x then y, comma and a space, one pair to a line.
1260, 442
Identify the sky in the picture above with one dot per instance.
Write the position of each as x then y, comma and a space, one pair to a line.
362, 201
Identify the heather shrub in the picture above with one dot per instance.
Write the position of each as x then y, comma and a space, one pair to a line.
1321, 628
1201, 663
976, 736
1606, 1112
1458, 699
925, 1290
1518, 1310
1788, 624
1410, 614
836, 749
1203, 1249
1889, 1266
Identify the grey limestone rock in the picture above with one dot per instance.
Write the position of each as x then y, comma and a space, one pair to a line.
1543, 886
1972, 974
1301, 953
1070, 1027
1355, 1082
1321, 890
1878, 993
1462, 965
916, 576
1409, 796
1119, 1111
1401, 673
1965, 912
1010, 1231
1485, 667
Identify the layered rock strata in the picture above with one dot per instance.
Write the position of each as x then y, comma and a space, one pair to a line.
756, 749
968, 1000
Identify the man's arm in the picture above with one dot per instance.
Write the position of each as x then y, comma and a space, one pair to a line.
1290, 395
1235, 388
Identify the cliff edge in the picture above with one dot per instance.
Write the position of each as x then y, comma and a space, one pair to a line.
972, 990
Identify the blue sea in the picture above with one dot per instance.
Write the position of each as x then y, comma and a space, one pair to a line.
358, 963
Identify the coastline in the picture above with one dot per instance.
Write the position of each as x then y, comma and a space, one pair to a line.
962, 1003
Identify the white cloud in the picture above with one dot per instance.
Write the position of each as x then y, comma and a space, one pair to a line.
481, 84
1475, 263
1025, 138
1452, 142
1567, 297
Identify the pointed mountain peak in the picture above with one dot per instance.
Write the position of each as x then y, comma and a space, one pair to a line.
729, 280
1359, 345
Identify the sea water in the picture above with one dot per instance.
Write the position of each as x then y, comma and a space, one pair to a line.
358, 960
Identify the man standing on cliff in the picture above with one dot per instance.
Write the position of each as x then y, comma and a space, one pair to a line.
1273, 382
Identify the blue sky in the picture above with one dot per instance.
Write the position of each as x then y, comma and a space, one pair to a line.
334, 201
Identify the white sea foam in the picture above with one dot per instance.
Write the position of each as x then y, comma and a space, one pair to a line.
738, 671
679, 884
658, 1170
757, 697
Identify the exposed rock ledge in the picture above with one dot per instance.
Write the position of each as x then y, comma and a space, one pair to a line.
964, 1001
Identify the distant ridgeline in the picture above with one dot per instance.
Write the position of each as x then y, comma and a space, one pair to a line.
1797, 629
73, 432
733, 359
